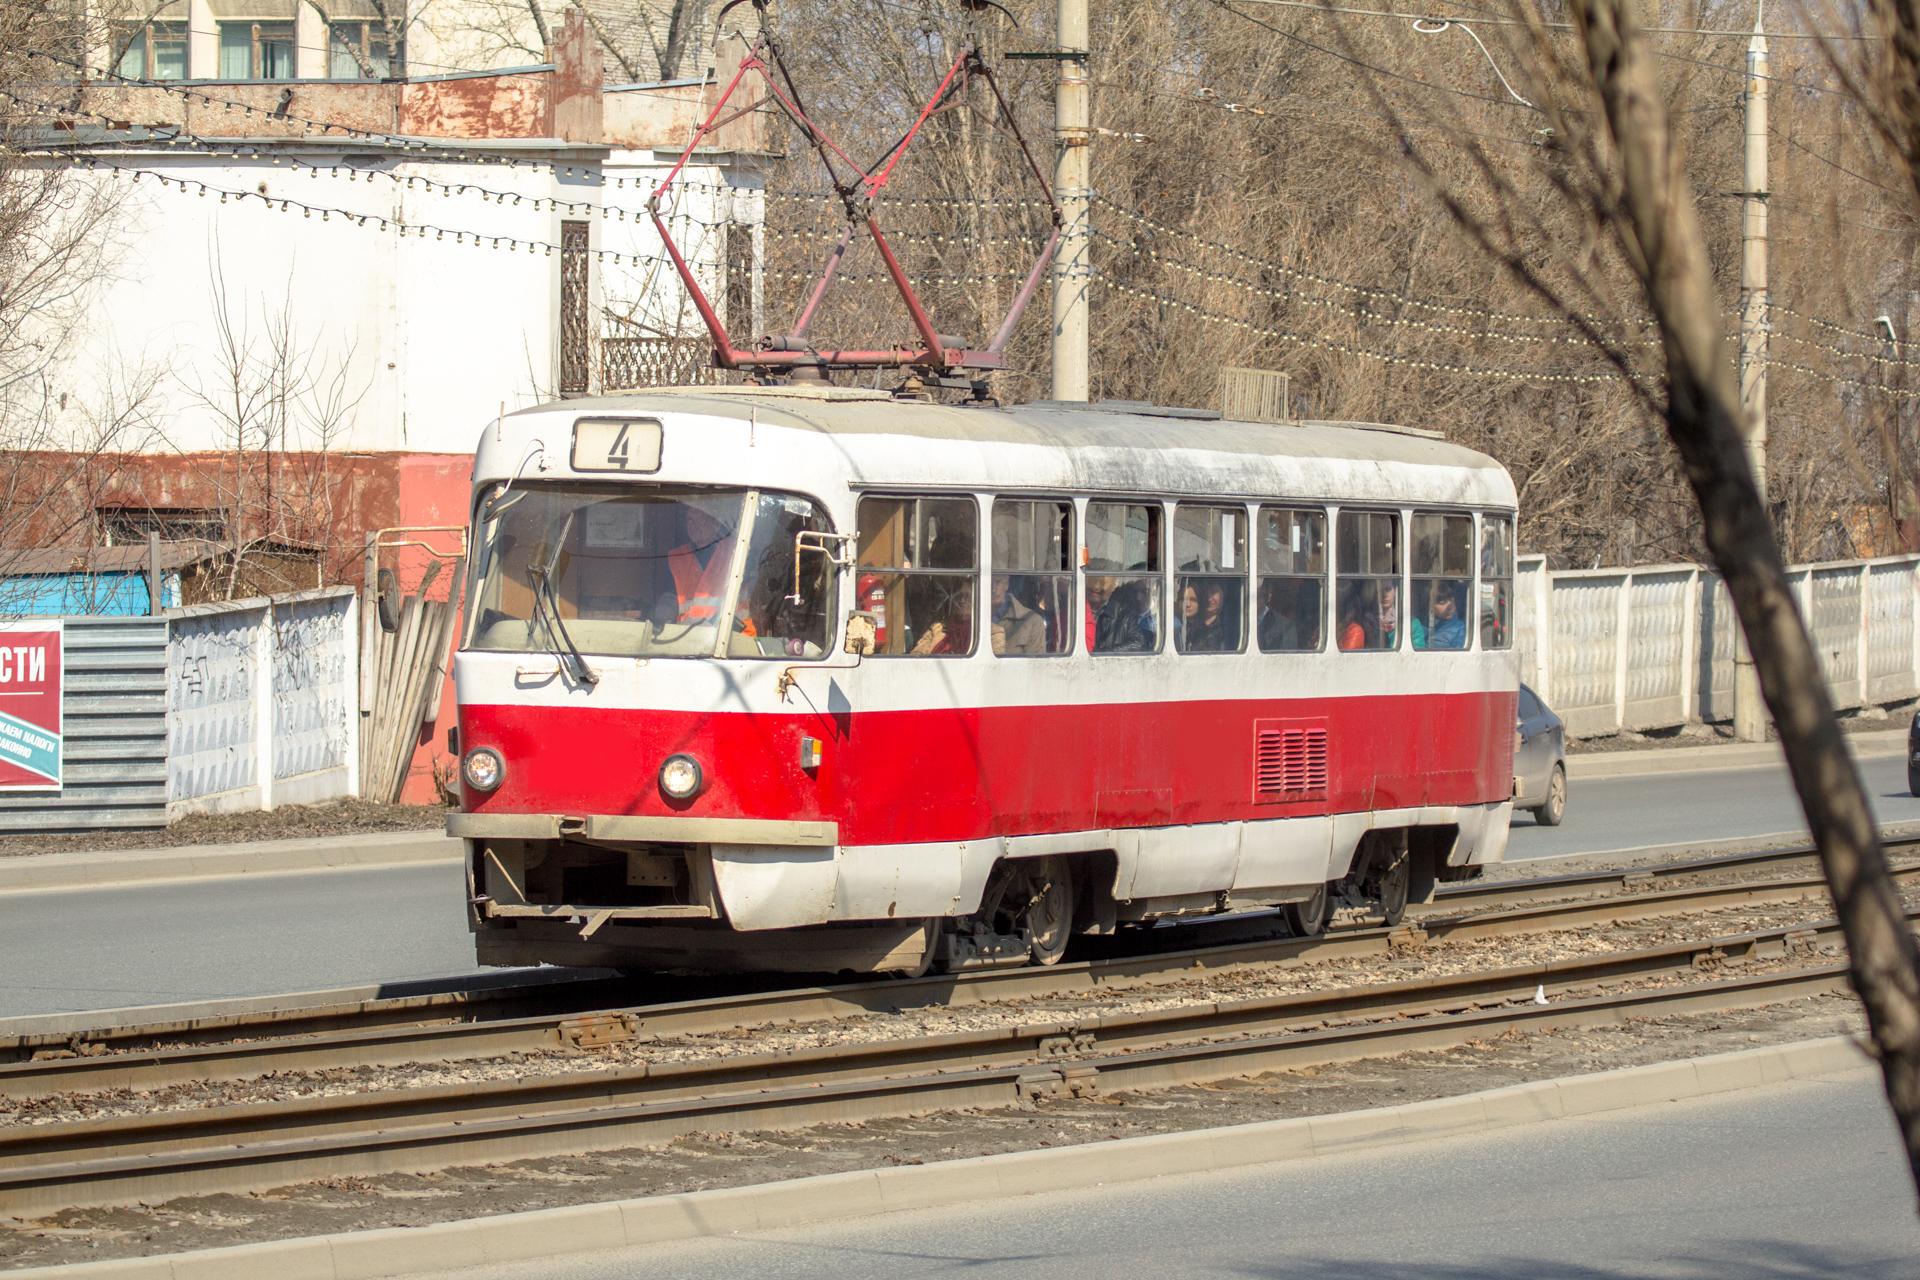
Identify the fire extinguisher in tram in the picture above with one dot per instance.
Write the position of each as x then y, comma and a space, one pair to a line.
870, 596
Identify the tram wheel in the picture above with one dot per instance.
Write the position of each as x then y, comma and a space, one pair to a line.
1049, 910
1307, 919
1395, 882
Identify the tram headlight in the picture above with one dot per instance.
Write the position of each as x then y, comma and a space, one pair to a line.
483, 769
681, 778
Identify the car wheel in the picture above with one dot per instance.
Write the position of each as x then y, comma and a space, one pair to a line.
1913, 779
1554, 809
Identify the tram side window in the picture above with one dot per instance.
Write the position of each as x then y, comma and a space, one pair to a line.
1293, 579
1030, 596
1125, 577
918, 574
1210, 591
1442, 548
1496, 582
1367, 552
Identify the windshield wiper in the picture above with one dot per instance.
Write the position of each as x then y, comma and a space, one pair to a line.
546, 602
559, 643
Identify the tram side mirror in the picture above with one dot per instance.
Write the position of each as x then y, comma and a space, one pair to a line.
862, 630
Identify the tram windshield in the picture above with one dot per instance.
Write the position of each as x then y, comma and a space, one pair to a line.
623, 571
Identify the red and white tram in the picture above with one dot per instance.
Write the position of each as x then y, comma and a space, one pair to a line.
814, 678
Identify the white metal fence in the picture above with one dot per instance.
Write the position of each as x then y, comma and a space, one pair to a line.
1651, 648
263, 702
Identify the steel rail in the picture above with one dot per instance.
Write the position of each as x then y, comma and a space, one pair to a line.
548, 992
443, 1041
236, 1148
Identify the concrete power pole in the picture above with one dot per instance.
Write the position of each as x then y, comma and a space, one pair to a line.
1749, 712
1072, 187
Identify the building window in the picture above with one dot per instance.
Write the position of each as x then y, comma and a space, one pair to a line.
153, 50
256, 50
1442, 578
1125, 577
1496, 582
918, 572
1210, 597
364, 51
1293, 579
1030, 600
1368, 560
122, 526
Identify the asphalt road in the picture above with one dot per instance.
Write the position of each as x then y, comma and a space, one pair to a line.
264, 935
241, 936
1787, 1183
1607, 814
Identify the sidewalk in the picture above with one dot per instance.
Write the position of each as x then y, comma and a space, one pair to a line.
1722, 755
91, 869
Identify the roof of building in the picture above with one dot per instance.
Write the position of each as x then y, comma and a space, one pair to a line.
130, 558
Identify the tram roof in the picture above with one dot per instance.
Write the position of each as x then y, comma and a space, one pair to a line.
1115, 447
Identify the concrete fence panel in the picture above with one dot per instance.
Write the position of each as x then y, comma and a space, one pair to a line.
1719, 638
1659, 623
1654, 648
263, 702
1891, 668
1587, 649
215, 731
1530, 586
1832, 601
316, 696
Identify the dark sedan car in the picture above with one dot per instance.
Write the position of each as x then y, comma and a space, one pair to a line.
1539, 760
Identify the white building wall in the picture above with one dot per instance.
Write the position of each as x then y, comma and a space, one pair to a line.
431, 330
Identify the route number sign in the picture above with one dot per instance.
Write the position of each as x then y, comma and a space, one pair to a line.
32, 658
616, 444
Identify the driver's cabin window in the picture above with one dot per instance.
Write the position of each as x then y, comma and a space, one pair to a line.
918, 573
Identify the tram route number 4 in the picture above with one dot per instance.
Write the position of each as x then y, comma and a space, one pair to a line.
630, 445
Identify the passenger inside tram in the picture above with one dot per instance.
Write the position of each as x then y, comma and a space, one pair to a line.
1018, 628
1123, 615
1209, 617
1444, 625
947, 603
1289, 615
1359, 616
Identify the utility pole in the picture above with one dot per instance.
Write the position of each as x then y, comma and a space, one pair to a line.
1749, 713
1072, 188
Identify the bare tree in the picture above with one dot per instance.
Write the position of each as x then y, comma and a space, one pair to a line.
1618, 174
280, 409
60, 243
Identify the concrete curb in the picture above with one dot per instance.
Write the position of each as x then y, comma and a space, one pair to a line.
834, 1197
107, 867
1627, 764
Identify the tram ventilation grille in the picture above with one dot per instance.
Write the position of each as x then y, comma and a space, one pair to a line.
1289, 760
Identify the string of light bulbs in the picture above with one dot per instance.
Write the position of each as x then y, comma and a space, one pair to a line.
385, 222
1386, 318
1347, 286
1339, 347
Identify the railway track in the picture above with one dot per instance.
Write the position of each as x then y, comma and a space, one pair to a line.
580, 1013
44, 1167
